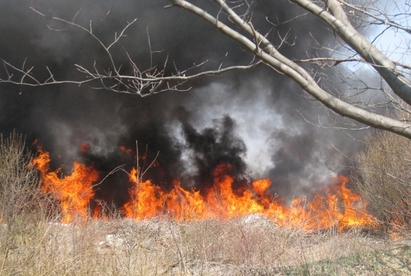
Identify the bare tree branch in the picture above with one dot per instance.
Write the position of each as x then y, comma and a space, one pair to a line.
235, 20
141, 82
271, 57
338, 20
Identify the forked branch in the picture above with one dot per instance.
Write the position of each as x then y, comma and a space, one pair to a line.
142, 82
263, 49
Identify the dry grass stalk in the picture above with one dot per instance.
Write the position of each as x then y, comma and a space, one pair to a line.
245, 246
32, 244
383, 180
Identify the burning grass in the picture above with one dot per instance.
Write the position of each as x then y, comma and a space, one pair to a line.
33, 241
332, 206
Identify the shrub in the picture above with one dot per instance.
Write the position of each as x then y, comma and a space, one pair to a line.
382, 177
19, 191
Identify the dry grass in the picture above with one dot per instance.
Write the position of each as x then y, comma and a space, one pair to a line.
383, 180
19, 193
32, 244
247, 246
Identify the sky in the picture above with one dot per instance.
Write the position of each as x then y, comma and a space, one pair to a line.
258, 121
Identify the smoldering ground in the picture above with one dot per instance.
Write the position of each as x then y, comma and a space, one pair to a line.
255, 120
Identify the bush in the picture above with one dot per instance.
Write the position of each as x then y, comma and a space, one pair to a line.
382, 177
19, 191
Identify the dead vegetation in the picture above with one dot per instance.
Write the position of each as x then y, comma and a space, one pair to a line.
383, 180
19, 193
247, 246
34, 242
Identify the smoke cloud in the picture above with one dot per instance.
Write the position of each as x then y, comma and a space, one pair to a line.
257, 121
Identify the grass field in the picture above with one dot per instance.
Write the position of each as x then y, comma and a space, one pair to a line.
250, 245
33, 241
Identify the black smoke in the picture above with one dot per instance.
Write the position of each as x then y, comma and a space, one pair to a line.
209, 148
256, 121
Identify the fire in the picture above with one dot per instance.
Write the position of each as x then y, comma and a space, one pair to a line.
335, 206
73, 191
332, 206
329, 207
126, 150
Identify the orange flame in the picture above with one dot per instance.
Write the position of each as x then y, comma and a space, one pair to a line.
73, 191
335, 206
126, 150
